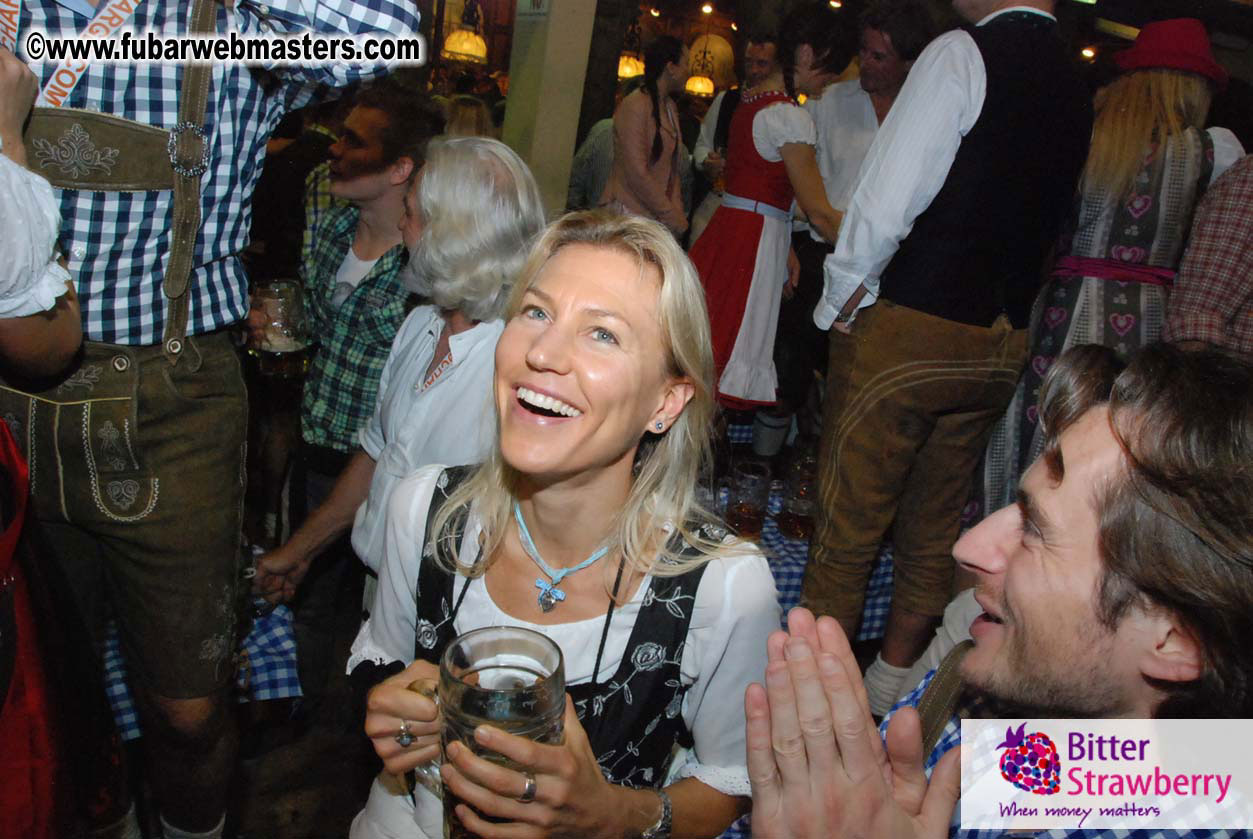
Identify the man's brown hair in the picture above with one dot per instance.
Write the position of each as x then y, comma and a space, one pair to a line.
1176, 526
909, 23
412, 120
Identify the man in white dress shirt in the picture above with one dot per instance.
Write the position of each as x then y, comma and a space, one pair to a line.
847, 115
959, 199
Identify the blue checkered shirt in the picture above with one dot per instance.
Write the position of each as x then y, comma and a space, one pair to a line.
354, 338
975, 707
118, 243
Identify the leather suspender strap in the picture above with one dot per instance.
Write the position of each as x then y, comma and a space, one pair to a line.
939, 700
189, 153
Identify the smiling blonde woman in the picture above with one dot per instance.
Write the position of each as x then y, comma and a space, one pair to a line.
583, 526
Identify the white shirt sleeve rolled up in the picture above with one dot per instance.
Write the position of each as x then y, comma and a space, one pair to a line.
905, 167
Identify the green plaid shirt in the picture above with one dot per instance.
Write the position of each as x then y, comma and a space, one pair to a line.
318, 199
355, 339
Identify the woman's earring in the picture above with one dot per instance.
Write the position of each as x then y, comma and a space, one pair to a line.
660, 425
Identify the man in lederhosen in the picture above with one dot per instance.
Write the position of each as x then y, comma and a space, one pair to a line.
136, 456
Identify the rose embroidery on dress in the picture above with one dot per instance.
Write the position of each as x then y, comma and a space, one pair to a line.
675, 705
426, 634
671, 602
713, 532
648, 656
75, 154
644, 658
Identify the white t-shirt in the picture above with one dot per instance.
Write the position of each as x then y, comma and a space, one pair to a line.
350, 274
30, 278
448, 420
735, 610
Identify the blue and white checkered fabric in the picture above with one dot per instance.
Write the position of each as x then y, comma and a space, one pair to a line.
976, 708
268, 670
740, 434
787, 559
117, 243
116, 688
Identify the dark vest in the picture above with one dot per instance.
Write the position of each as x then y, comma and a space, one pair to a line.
633, 720
977, 250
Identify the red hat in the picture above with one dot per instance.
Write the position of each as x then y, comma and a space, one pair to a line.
1178, 44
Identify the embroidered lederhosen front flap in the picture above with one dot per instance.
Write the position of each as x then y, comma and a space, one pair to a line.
634, 719
79, 149
80, 439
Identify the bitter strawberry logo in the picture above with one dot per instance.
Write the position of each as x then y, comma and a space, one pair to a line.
1030, 762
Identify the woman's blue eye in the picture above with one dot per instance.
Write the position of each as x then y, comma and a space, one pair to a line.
534, 313
601, 334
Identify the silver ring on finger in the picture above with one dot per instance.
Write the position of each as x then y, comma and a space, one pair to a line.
404, 737
528, 791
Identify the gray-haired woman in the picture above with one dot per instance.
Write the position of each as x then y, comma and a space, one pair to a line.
470, 216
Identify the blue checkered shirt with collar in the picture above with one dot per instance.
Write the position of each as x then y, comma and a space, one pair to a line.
118, 243
976, 707
354, 338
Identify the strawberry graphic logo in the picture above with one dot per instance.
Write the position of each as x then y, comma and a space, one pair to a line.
1030, 762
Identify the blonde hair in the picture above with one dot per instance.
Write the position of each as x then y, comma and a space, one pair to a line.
666, 465
468, 116
1135, 111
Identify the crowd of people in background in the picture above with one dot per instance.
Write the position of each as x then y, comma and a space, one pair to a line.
1009, 313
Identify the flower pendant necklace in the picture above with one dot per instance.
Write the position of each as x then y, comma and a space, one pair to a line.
549, 593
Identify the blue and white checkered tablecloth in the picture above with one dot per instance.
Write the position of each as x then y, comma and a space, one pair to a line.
268, 669
787, 559
740, 434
